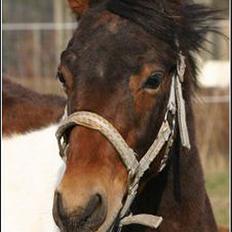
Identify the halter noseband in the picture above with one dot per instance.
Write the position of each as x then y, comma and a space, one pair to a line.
135, 168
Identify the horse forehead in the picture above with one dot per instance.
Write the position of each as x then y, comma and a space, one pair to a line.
105, 29
109, 38
104, 44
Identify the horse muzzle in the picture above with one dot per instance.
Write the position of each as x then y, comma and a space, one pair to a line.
85, 218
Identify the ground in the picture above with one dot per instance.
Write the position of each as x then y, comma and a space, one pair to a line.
218, 190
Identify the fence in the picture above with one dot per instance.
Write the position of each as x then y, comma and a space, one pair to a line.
37, 50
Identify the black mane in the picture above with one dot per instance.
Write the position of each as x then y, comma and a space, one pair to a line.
170, 21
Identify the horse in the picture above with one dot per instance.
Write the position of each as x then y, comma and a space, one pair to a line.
29, 152
30, 173
25, 110
129, 72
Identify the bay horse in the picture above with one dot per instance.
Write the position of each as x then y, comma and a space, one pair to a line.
118, 72
24, 110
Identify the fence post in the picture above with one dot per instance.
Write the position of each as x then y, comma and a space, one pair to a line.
36, 53
58, 18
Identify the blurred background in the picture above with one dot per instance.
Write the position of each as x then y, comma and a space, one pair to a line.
36, 32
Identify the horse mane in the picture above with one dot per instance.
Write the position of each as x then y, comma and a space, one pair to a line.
172, 21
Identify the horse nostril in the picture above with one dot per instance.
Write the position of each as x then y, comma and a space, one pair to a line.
94, 213
93, 205
89, 216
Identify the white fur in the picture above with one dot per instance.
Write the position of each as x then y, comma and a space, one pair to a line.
31, 167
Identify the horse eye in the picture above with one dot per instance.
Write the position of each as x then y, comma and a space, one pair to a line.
60, 77
153, 81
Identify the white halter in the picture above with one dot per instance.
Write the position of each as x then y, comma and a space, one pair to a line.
136, 168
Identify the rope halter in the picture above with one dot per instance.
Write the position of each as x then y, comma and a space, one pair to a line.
135, 168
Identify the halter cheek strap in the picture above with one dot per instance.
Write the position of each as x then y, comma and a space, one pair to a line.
135, 168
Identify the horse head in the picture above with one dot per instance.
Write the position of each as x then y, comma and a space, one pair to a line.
120, 64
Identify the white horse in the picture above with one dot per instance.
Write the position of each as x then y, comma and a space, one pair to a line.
31, 169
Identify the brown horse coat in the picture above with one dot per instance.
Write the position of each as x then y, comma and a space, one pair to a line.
24, 110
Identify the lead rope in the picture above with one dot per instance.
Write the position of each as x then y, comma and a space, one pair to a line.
136, 169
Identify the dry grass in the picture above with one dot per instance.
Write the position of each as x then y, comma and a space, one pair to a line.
217, 185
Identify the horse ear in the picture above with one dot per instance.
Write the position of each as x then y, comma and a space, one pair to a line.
80, 6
